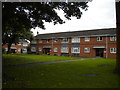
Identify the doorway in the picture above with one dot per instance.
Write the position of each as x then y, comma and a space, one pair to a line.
46, 51
99, 52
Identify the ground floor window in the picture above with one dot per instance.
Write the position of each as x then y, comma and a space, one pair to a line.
112, 50
64, 49
55, 49
86, 50
40, 49
6, 49
33, 49
75, 50
19, 50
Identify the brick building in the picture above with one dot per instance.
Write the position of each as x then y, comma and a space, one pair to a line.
88, 43
21, 47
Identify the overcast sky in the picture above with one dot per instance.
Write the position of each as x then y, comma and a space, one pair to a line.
100, 14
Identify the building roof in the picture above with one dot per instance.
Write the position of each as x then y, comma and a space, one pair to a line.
96, 32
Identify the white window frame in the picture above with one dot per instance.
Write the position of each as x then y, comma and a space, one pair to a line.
112, 38
55, 49
25, 44
86, 50
87, 39
64, 50
33, 49
55, 40
48, 41
113, 50
65, 40
74, 48
40, 40
19, 50
40, 49
33, 42
98, 38
75, 40
6, 49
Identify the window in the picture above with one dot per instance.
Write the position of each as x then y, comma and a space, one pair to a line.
19, 43
19, 50
25, 44
6, 49
99, 38
56, 40
112, 50
33, 49
75, 50
87, 39
112, 38
75, 40
33, 42
86, 50
48, 40
65, 40
64, 49
13, 44
40, 49
40, 41
55, 49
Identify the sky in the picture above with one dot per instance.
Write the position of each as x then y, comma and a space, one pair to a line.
100, 14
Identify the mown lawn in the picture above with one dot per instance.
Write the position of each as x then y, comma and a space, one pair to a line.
15, 59
63, 75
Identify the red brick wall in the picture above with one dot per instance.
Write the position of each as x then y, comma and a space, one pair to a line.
17, 46
93, 42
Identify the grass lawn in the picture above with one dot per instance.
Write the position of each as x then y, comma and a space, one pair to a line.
15, 59
62, 75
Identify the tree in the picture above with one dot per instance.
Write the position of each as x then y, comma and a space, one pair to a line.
118, 36
19, 18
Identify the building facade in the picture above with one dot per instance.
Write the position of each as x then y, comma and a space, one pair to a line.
89, 43
21, 47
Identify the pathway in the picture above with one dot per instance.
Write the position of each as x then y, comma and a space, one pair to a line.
33, 64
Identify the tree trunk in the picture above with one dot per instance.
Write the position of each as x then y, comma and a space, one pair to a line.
9, 50
118, 36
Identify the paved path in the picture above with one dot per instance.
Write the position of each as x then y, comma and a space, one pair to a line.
33, 64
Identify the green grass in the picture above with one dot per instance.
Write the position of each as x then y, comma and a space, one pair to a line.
15, 59
63, 75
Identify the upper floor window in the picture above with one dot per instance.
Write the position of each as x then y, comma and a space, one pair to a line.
86, 50
56, 40
25, 44
13, 44
112, 50
75, 50
87, 39
40, 41
55, 49
112, 38
75, 40
64, 49
33, 42
48, 40
65, 40
99, 38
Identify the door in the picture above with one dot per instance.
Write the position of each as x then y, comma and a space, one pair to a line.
46, 51
99, 52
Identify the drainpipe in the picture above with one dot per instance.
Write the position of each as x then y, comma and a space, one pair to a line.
52, 45
106, 47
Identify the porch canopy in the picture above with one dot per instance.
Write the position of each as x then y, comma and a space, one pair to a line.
13, 48
99, 47
47, 47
